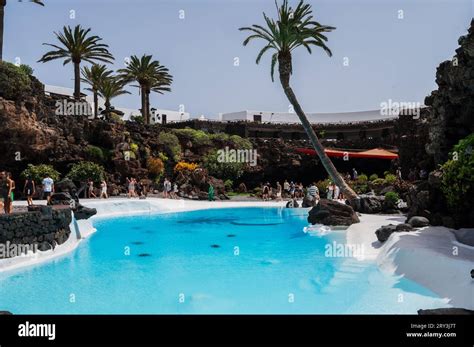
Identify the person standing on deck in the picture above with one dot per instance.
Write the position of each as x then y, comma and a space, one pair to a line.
48, 188
210, 193
29, 190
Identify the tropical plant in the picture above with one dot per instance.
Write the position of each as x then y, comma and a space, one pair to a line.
150, 75
362, 178
95, 152
109, 88
373, 177
228, 184
39, 172
3, 4
171, 144
85, 170
458, 176
323, 186
77, 46
15, 83
222, 170
184, 166
197, 137
296, 28
390, 178
94, 76
155, 166
391, 199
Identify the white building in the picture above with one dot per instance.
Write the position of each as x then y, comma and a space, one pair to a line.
159, 116
289, 118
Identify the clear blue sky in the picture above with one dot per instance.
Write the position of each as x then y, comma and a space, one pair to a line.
389, 58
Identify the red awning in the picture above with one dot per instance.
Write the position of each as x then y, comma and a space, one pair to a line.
376, 153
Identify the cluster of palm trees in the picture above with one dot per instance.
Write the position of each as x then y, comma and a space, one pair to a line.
78, 45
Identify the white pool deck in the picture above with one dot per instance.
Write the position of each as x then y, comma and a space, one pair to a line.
430, 256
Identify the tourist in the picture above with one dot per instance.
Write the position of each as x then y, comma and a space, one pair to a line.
11, 196
103, 190
265, 192
210, 192
166, 189
292, 189
330, 191
355, 175
278, 191
3, 190
398, 173
336, 191
138, 189
313, 192
90, 189
286, 187
48, 188
348, 176
131, 187
175, 190
29, 189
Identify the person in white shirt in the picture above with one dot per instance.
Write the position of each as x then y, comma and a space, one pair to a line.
48, 188
103, 190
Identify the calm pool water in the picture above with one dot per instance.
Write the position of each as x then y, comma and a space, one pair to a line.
245, 260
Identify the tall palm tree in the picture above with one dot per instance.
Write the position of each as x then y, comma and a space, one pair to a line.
78, 46
109, 88
3, 3
150, 75
295, 28
94, 76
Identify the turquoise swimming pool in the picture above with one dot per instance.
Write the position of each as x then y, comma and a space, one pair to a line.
239, 260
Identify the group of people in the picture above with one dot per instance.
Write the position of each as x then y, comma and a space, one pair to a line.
8, 186
170, 190
90, 190
135, 189
294, 190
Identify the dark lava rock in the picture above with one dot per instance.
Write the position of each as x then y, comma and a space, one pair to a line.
82, 212
329, 212
418, 221
370, 205
5, 313
404, 227
231, 235
292, 204
65, 185
144, 255
137, 243
44, 246
215, 246
64, 199
384, 232
446, 311
308, 202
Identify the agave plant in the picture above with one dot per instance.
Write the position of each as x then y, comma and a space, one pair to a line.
292, 29
109, 88
3, 4
78, 46
94, 76
150, 75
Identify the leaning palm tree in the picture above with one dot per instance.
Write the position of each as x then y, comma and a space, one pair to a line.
3, 3
295, 28
94, 76
109, 88
150, 75
78, 46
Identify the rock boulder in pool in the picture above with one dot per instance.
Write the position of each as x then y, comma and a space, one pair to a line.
329, 212
384, 232
418, 221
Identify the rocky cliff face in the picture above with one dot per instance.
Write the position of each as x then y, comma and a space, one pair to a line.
452, 105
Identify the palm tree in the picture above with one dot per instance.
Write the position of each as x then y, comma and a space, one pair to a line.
109, 88
94, 76
296, 28
150, 75
3, 3
77, 46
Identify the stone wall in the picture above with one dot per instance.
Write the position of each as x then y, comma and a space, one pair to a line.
43, 227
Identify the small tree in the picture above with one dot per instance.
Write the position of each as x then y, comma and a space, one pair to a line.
39, 172
85, 170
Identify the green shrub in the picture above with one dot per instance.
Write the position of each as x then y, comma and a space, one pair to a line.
137, 118
239, 142
385, 173
171, 143
391, 198
228, 184
458, 176
361, 188
222, 137
15, 83
134, 148
197, 137
163, 157
222, 170
85, 170
373, 177
323, 186
39, 172
362, 178
390, 178
378, 181
94, 152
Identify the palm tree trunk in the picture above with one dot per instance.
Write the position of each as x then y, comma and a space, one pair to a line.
3, 3
285, 69
145, 115
96, 106
148, 106
77, 80
107, 109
